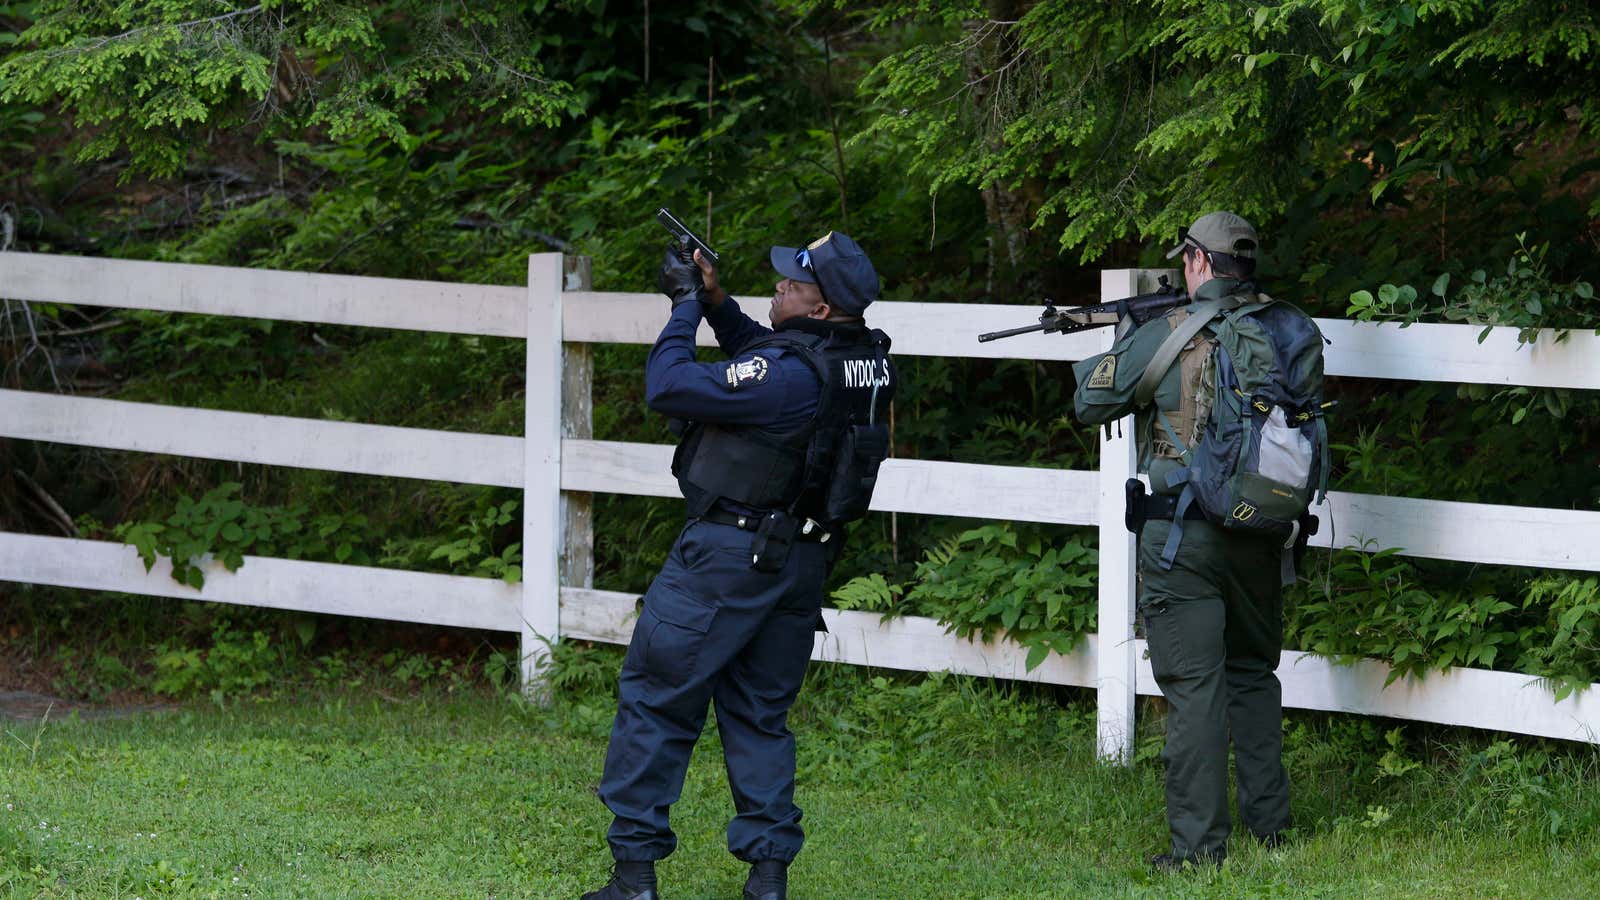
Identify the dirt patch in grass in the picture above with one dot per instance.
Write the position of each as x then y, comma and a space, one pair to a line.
31, 684
31, 706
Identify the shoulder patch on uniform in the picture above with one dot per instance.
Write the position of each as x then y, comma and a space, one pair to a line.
746, 371
1105, 373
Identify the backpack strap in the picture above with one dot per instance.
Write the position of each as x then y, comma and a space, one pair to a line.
1325, 460
1200, 315
1169, 551
880, 345
1184, 450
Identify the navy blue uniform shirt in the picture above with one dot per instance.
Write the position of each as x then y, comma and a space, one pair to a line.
770, 388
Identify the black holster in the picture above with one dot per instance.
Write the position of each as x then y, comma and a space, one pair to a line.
769, 550
1136, 511
1308, 526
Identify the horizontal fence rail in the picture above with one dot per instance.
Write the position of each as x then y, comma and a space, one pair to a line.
1423, 352
1469, 697
1434, 529
920, 486
557, 463
266, 440
1476, 698
425, 597
481, 309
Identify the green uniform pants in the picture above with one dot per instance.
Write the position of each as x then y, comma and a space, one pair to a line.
1214, 623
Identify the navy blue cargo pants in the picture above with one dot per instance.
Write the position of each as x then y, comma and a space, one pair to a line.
714, 631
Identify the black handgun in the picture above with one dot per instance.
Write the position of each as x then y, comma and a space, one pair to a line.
687, 240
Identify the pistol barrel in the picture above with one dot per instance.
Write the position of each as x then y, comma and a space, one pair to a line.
687, 238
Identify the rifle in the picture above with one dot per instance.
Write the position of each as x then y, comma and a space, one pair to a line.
687, 240
1140, 309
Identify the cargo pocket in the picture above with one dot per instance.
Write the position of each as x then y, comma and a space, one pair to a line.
676, 628
1161, 632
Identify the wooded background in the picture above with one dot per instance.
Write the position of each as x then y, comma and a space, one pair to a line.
1431, 161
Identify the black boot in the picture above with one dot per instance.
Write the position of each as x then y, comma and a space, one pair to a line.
769, 880
1273, 841
1167, 864
629, 881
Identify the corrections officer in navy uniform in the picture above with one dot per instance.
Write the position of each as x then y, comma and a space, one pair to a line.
730, 620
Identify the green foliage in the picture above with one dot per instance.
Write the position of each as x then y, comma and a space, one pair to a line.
223, 526
868, 592
1570, 611
471, 550
179, 347
1395, 763
1376, 604
142, 78
442, 206
871, 726
234, 663
1513, 784
1110, 123
92, 674
421, 670
1375, 144
1375, 607
581, 671
1525, 297
990, 579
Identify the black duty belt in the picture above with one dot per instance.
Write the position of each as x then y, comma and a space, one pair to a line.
809, 530
1165, 506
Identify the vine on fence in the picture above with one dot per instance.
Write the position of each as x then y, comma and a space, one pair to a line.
1526, 297
1366, 603
992, 578
223, 527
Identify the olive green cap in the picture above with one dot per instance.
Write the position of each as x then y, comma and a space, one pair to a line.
1219, 232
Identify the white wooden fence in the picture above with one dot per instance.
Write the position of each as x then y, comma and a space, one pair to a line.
559, 465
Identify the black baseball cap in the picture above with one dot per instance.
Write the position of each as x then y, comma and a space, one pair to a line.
837, 265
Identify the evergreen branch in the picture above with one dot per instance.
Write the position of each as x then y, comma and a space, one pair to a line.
76, 48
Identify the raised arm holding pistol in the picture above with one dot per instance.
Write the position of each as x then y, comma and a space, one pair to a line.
678, 281
688, 241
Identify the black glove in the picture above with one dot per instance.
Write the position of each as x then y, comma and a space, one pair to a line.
679, 277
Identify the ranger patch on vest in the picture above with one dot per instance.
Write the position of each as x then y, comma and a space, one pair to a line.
749, 371
1105, 373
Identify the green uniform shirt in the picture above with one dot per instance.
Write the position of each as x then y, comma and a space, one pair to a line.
1107, 382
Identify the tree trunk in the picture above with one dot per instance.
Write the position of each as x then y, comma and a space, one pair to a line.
991, 71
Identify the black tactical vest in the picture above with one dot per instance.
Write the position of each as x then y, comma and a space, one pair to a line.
802, 470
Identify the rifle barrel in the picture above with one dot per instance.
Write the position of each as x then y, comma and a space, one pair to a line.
1098, 315
1009, 332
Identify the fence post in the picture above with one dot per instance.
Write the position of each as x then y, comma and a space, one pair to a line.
577, 422
1115, 662
541, 485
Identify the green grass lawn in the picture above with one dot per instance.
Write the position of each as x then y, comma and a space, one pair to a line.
912, 787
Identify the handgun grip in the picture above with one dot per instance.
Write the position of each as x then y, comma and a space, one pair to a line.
687, 240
